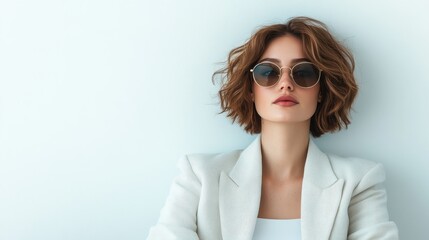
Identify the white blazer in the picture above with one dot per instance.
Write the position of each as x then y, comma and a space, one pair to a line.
217, 197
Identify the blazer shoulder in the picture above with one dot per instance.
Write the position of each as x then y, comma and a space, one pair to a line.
203, 163
354, 169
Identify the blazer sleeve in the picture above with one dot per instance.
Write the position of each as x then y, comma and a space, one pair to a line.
178, 216
368, 215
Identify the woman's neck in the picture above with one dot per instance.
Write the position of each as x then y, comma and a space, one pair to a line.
284, 149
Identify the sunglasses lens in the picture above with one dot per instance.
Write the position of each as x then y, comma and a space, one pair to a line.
266, 74
305, 74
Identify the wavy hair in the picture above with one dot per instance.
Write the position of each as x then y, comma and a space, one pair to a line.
338, 87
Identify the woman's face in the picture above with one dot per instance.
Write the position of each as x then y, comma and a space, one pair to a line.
296, 104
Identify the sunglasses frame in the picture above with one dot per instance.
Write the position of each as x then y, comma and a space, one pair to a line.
281, 73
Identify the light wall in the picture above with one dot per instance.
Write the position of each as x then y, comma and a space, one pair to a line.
99, 99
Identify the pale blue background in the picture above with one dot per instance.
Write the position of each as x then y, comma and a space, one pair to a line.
99, 99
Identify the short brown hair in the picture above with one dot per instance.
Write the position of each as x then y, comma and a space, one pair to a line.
337, 86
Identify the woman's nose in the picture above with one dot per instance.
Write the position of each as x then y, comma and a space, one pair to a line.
285, 80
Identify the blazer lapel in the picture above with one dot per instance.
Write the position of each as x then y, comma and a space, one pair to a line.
239, 194
321, 195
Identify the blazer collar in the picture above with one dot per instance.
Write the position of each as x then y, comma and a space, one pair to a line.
249, 165
320, 196
240, 192
317, 168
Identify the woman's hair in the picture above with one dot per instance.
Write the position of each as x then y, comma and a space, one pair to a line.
337, 85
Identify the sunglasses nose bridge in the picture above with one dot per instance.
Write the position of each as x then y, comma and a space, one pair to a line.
281, 72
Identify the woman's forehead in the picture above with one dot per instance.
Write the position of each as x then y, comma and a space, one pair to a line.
284, 50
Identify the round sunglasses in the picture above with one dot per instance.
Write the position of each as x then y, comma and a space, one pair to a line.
304, 74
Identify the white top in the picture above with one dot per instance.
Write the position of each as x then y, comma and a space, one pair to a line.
276, 229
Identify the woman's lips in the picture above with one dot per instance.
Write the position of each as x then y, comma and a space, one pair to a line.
286, 101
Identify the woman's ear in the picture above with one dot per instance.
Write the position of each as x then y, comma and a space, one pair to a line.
253, 97
319, 99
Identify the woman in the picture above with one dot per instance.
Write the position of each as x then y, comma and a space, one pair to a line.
286, 82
